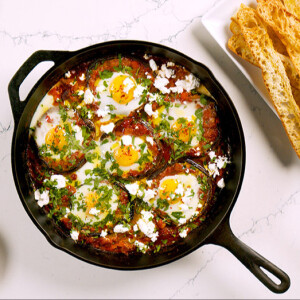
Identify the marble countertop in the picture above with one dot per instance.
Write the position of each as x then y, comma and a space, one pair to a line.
266, 215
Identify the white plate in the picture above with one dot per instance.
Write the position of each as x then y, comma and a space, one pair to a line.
217, 21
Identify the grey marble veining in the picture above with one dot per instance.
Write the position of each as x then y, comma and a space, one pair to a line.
265, 215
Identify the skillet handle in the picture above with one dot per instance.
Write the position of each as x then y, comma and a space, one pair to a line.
14, 85
224, 237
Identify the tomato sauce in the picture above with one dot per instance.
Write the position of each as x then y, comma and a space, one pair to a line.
69, 92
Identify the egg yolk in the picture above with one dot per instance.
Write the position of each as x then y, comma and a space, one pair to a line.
55, 137
122, 89
126, 156
156, 120
185, 130
167, 190
91, 200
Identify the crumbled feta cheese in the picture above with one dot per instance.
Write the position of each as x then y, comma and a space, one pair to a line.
127, 140
103, 112
189, 83
140, 193
41, 198
74, 235
67, 212
221, 183
82, 77
182, 221
160, 83
114, 206
88, 96
107, 128
150, 140
78, 133
120, 228
213, 169
80, 93
60, 179
212, 154
149, 194
187, 196
103, 233
132, 188
94, 211
149, 76
101, 87
142, 247
165, 72
196, 213
68, 74
128, 85
183, 233
221, 161
149, 182
138, 91
170, 64
153, 65
146, 225
135, 227
152, 97
149, 111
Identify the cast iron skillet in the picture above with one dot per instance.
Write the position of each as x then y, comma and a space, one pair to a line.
216, 229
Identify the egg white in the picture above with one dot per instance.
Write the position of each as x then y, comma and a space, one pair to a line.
42, 130
189, 202
108, 103
93, 214
173, 113
43, 107
111, 146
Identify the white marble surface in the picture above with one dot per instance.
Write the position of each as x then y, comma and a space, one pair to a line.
266, 215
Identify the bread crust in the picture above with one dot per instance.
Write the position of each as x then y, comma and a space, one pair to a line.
237, 44
278, 85
293, 6
285, 25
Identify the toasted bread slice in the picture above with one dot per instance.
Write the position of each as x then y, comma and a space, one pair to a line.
277, 43
291, 72
237, 44
296, 94
273, 71
234, 27
286, 26
293, 6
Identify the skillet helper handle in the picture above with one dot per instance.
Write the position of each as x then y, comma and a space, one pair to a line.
14, 86
253, 261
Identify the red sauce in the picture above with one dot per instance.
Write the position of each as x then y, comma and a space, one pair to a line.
67, 90
132, 126
138, 69
65, 164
